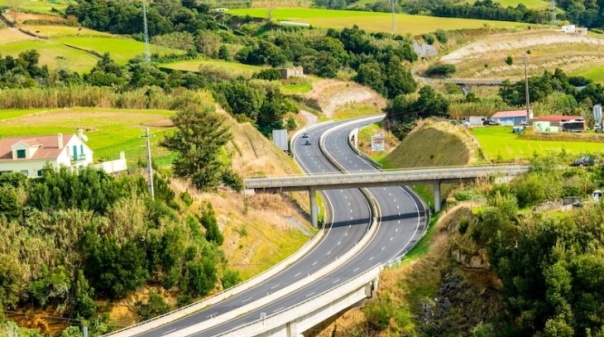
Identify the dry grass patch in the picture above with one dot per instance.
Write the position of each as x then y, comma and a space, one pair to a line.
549, 49
334, 96
9, 35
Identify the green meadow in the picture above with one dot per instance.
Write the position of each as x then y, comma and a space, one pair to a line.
109, 131
372, 21
533, 4
53, 54
121, 49
245, 70
39, 7
499, 144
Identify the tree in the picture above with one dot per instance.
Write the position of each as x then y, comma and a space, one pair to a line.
208, 221
200, 135
509, 60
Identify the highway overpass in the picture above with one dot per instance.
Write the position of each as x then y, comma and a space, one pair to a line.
330, 181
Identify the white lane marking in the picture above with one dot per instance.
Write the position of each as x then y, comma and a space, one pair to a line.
309, 295
279, 309
339, 242
397, 206
355, 270
383, 248
275, 286
247, 299
329, 252
346, 234
371, 258
389, 194
399, 222
391, 238
314, 263
336, 281
298, 274
396, 230
167, 332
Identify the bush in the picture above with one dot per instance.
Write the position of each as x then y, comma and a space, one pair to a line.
509, 60
440, 70
441, 36
154, 307
429, 38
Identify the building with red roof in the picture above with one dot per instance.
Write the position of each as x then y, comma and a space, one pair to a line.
513, 117
30, 154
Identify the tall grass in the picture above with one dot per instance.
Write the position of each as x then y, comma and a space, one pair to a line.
86, 96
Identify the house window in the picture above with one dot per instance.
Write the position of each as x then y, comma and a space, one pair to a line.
25, 173
20, 154
40, 173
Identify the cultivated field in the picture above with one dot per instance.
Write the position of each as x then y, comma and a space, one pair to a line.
109, 131
245, 70
33, 6
371, 21
499, 144
534, 4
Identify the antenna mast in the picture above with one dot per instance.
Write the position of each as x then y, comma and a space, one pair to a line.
147, 52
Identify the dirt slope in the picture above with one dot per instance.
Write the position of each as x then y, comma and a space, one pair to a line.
333, 96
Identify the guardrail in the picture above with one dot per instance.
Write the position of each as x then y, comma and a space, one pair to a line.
275, 320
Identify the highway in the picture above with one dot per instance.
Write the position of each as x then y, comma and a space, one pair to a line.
402, 223
344, 231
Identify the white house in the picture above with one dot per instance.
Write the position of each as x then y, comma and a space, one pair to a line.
30, 154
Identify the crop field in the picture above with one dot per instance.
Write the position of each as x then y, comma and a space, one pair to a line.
52, 54
109, 130
245, 70
533, 4
41, 7
121, 49
594, 72
59, 30
499, 144
371, 21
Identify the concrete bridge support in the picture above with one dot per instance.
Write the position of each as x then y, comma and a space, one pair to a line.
314, 209
437, 196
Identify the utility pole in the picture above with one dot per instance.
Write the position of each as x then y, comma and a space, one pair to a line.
554, 14
149, 164
526, 91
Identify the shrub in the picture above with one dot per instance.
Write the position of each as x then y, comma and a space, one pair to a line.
429, 38
509, 60
441, 36
154, 307
440, 70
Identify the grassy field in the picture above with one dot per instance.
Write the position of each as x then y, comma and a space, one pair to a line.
121, 49
499, 144
413, 24
57, 31
594, 72
52, 54
109, 130
41, 7
534, 4
245, 70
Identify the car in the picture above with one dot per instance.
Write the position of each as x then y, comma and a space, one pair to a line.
305, 135
584, 161
518, 129
307, 142
490, 121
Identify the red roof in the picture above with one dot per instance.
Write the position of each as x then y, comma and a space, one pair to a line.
48, 146
513, 113
555, 118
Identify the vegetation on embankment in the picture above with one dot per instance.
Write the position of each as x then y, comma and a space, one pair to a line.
434, 143
504, 260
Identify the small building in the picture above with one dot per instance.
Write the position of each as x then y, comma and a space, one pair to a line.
555, 120
30, 154
512, 118
292, 72
572, 29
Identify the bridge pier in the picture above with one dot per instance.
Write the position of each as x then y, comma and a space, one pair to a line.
437, 196
314, 210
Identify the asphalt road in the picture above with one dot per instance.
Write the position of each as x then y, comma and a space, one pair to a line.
346, 229
402, 223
